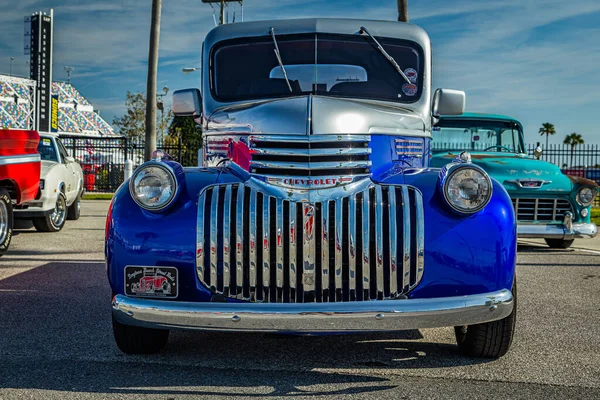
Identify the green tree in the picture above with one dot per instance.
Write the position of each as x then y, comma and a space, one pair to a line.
547, 129
133, 123
573, 140
184, 140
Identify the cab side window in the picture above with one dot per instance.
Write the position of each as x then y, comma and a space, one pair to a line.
62, 151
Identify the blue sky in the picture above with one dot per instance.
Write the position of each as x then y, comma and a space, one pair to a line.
536, 60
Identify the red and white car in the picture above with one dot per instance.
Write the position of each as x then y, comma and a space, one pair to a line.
61, 188
19, 176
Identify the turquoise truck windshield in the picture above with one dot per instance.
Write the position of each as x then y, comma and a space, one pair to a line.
477, 135
328, 65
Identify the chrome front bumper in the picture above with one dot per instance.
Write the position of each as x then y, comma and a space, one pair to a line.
383, 315
567, 230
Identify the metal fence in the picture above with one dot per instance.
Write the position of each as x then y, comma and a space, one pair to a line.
103, 159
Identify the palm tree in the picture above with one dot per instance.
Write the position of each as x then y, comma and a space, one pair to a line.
403, 10
573, 140
547, 129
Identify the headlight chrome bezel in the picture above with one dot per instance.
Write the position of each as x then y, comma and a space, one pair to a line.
449, 172
584, 203
171, 176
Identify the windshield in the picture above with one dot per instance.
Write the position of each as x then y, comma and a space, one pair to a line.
47, 150
455, 135
329, 65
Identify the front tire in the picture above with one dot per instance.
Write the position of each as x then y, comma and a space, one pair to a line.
138, 340
75, 210
490, 339
6, 221
559, 243
55, 221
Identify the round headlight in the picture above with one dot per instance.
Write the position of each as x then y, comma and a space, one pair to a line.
586, 196
153, 186
467, 189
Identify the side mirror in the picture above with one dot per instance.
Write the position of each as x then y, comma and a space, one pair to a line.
448, 102
187, 102
69, 159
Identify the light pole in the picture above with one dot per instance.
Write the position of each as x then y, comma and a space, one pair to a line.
11, 60
150, 145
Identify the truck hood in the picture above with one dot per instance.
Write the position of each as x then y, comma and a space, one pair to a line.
317, 115
508, 168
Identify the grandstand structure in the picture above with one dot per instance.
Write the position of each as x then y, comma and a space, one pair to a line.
76, 115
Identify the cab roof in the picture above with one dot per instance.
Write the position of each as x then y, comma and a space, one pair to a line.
481, 116
391, 29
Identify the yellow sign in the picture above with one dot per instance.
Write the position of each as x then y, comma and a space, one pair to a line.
54, 115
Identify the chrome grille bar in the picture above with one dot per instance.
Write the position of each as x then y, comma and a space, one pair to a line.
213, 239
541, 209
393, 246
310, 165
338, 250
266, 253
252, 245
365, 245
226, 240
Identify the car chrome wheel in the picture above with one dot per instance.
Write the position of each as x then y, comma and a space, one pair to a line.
3, 222
59, 213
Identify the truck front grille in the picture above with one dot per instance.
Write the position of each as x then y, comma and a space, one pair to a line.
309, 156
548, 210
258, 247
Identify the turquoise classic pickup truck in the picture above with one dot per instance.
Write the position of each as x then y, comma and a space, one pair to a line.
547, 203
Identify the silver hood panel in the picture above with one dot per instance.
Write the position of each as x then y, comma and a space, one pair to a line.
293, 116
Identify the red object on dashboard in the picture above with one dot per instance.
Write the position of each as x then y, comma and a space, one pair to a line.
20, 163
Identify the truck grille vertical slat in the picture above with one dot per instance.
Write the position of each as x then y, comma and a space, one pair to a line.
214, 204
323, 215
266, 253
292, 245
406, 225
379, 242
352, 247
393, 242
239, 244
366, 265
338, 250
279, 248
367, 245
226, 241
420, 236
252, 243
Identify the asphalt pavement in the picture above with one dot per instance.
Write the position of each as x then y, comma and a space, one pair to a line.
56, 338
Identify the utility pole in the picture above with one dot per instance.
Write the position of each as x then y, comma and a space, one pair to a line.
403, 10
151, 86
222, 19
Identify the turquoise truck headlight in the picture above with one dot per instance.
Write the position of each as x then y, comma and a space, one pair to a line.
585, 196
466, 187
153, 186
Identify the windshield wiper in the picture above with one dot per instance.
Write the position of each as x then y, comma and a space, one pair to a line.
385, 54
272, 31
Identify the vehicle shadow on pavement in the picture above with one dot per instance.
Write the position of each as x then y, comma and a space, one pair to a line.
57, 336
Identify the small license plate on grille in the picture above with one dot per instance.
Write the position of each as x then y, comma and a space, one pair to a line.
151, 281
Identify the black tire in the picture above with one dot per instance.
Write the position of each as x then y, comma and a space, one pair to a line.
137, 340
559, 243
490, 339
6, 221
74, 211
53, 222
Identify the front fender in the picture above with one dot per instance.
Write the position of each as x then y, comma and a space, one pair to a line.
463, 255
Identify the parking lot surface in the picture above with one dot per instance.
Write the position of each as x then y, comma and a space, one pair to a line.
56, 338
